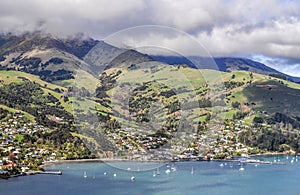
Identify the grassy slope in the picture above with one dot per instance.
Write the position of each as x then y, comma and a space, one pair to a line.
285, 96
82, 79
272, 96
172, 77
15, 76
267, 93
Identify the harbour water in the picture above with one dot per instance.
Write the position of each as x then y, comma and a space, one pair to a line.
206, 178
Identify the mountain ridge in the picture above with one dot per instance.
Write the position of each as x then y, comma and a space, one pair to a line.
88, 50
56, 58
224, 64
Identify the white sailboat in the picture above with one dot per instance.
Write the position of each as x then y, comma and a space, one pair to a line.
241, 168
154, 174
84, 174
168, 171
192, 171
157, 171
132, 178
173, 168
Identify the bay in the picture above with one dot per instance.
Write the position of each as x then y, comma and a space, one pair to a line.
207, 178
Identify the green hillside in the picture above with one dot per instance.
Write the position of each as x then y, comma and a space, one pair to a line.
97, 99
36, 117
169, 103
180, 106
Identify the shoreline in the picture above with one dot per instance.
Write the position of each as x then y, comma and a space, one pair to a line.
104, 160
274, 154
50, 163
100, 160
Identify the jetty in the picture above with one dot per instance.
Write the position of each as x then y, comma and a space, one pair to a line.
251, 161
51, 172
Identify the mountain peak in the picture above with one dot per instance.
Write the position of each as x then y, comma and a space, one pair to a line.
77, 45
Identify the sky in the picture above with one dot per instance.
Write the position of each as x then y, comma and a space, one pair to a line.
267, 31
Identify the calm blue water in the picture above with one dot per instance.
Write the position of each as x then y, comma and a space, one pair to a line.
208, 178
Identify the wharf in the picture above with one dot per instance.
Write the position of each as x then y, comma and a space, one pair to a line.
251, 161
50, 172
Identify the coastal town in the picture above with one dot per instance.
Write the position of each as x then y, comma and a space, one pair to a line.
18, 156
217, 144
22, 152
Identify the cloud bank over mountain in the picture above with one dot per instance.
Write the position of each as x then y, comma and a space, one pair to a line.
268, 28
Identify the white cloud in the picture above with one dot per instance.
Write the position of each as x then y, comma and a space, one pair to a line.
285, 65
278, 38
66, 16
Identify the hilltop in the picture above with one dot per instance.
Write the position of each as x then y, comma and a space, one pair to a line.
57, 59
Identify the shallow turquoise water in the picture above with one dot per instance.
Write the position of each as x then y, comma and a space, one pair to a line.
208, 178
